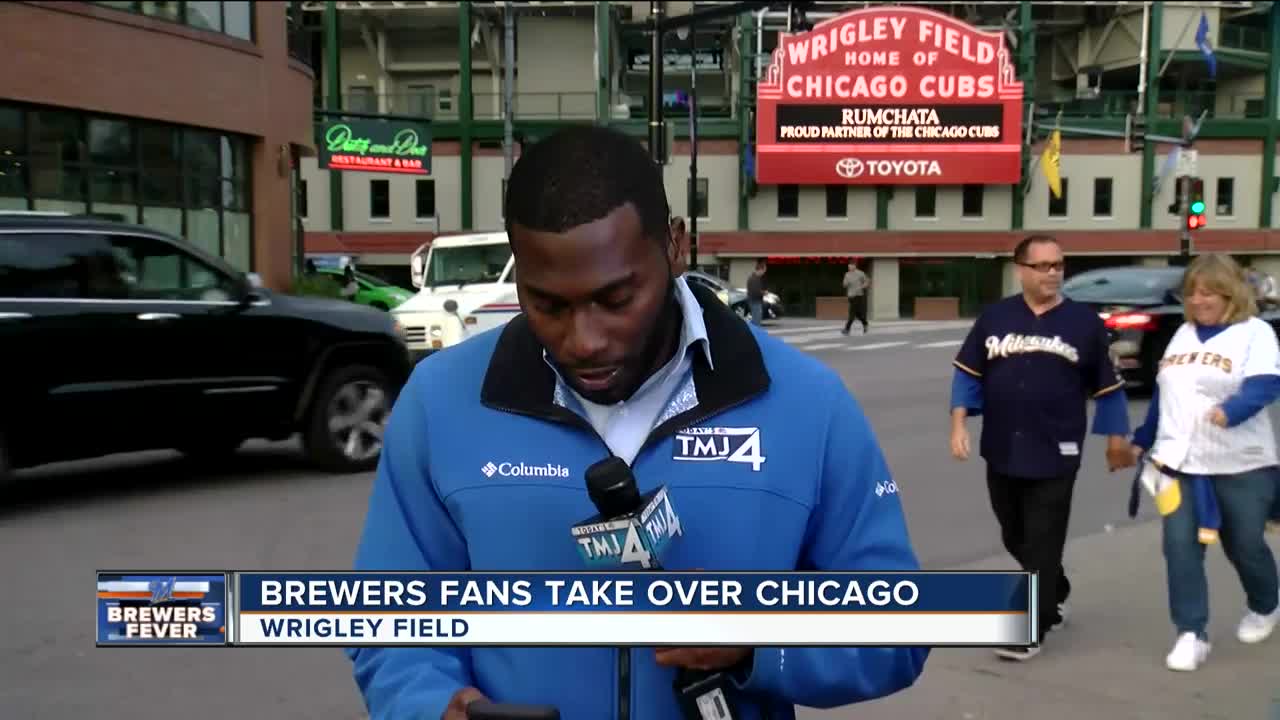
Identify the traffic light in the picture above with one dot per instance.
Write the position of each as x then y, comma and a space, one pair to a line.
1195, 205
1175, 207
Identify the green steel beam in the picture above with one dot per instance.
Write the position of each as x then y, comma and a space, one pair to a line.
1154, 58
1027, 71
746, 31
1266, 187
333, 81
604, 60
466, 116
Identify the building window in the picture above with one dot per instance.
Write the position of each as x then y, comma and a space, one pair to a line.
698, 197
971, 201
233, 17
1226, 203
1058, 205
1101, 197
192, 184
14, 189
361, 98
926, 201
837, 201
379, 199
788, 201
426, 199
302, 198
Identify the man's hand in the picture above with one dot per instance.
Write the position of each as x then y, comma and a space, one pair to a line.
708, 658
457, 709
959, 436
1119, 454
1218, 417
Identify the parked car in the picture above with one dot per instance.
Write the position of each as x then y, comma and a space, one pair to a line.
735, 298
1142, 309
371, 290
119, 338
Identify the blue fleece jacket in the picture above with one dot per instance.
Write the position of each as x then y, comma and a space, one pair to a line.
822, 500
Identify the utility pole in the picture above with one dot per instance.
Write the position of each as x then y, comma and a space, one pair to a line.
694, 206
1184, 207
508, 88
657, 138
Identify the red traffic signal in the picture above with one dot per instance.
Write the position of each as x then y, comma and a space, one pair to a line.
1196, 222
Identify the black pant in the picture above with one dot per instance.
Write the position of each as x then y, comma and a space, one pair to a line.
857, 311
1033, 515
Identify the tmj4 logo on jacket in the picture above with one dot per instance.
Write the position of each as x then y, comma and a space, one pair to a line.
719, 444
520, 469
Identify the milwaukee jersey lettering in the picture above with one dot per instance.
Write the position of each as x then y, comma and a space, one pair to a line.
1194, 377
1037, 375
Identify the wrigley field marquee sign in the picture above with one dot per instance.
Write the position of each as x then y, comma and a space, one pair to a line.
376, 146
889, 95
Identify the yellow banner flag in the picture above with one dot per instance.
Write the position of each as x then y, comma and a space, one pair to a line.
1049, 162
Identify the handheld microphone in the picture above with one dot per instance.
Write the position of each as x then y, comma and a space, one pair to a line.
631, 530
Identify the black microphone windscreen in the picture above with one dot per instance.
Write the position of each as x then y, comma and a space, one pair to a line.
612, 487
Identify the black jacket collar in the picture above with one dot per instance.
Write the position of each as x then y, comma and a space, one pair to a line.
518, 380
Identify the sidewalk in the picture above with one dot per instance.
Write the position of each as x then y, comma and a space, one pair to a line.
1108, 663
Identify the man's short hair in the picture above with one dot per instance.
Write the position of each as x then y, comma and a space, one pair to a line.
1024, 245
580, 174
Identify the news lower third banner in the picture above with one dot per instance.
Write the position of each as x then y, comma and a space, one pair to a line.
639, 609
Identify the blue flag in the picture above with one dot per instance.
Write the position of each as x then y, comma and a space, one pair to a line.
1202, 42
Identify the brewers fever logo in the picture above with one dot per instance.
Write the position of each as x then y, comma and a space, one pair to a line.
719, 444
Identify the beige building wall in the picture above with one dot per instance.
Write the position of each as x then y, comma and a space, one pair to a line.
997, 210
1081, 174
762, 210
1235, 210
721, 174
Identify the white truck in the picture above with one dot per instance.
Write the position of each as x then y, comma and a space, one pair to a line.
466, 285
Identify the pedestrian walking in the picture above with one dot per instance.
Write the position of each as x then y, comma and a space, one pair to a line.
755, 292
855, 284
1029, 366
1210, 454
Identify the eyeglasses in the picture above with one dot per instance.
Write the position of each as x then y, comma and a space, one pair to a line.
1045, 267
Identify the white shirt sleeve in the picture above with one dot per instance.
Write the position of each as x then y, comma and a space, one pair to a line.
1264, 352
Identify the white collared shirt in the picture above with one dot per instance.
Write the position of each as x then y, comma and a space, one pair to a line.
625, 425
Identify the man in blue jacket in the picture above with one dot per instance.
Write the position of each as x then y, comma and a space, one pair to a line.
484, 457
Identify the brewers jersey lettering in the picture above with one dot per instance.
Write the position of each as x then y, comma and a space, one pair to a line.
1037, 373
1194, 377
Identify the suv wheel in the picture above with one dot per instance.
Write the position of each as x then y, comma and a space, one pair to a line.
344, 431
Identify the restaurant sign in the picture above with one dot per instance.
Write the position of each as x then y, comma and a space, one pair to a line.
376, 146
889, 95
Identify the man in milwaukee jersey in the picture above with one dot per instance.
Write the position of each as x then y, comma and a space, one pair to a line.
1029, 366
616, 355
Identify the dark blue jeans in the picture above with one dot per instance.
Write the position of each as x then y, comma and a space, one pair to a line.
1245, 500
757, 311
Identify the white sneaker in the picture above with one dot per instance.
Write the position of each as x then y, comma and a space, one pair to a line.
1188, 653
1255, 628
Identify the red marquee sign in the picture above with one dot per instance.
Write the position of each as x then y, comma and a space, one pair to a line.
889, 96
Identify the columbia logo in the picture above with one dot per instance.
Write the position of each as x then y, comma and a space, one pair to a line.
489, 469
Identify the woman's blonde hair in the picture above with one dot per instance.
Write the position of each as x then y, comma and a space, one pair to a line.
1221, 275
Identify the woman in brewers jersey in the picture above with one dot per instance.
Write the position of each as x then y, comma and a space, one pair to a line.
1211, 452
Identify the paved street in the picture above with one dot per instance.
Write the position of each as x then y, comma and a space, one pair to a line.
264, 510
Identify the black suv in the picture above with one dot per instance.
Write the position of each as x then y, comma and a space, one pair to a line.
119, 338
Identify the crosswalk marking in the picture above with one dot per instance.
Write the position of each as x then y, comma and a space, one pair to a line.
809, 345
876, 346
